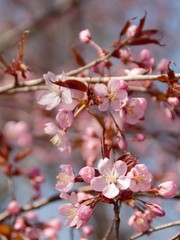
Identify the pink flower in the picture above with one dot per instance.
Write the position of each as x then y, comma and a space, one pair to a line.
56, 95
13, 208
85, 36
65, 178
77, 214
17, 133
140, 178
133, 110
59, 139
87, 173
64, 118
112, 178
167, 189
111, 95
140, 221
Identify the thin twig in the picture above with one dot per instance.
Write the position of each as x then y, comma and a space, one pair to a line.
108, 231
34, 85
30, 206
158, 228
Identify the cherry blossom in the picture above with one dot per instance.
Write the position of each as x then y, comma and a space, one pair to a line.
140, 220
112, 178
65, 178
59, 139
85, 36
17, 133
56, 95
140, 178
111, 95
64, 118
133, 110
77, 214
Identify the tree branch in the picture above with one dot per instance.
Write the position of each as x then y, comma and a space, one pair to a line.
36, 84
158, 228
30, 206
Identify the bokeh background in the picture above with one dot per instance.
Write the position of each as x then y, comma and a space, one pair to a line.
54, 26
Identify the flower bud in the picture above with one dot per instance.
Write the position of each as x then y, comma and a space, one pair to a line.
167, 189
87, 173
13, 208
85, 36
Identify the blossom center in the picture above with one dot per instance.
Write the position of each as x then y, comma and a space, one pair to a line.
130, 110
111, 179
139, 178
63, 178
72, 212
112, 95
56, 140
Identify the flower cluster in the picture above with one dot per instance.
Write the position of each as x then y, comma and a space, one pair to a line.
111, 181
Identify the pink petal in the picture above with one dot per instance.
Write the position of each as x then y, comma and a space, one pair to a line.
100, 89
105, 165
98, 183
111, 191
120, 168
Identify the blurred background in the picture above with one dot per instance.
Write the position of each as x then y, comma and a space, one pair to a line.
54, 27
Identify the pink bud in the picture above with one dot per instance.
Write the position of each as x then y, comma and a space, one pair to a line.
87, 173
122, 143
55, 223
85, 36
131, 31
163, 66
13, 208
31, 216
167, 189
49, 232
87, 230
140, 137
174, 101
156, 209
145, 54
19, 224
85, 212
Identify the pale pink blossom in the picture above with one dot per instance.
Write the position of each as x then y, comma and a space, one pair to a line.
31, 216
17, 133
49, 233
133, 110
111, 95
140, 178
163, 66
167, 189
135, 71
64, 118
87, 173
13, 207
112, 178
87, 230
140, 221
65, 178
85, 36
55, 223
146, 59
77, 214
57, 94
59, 139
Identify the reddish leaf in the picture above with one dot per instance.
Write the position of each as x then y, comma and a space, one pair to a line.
5, 230
129, 160
141, 25
79, 59
23, 154
72, 84
144, 41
